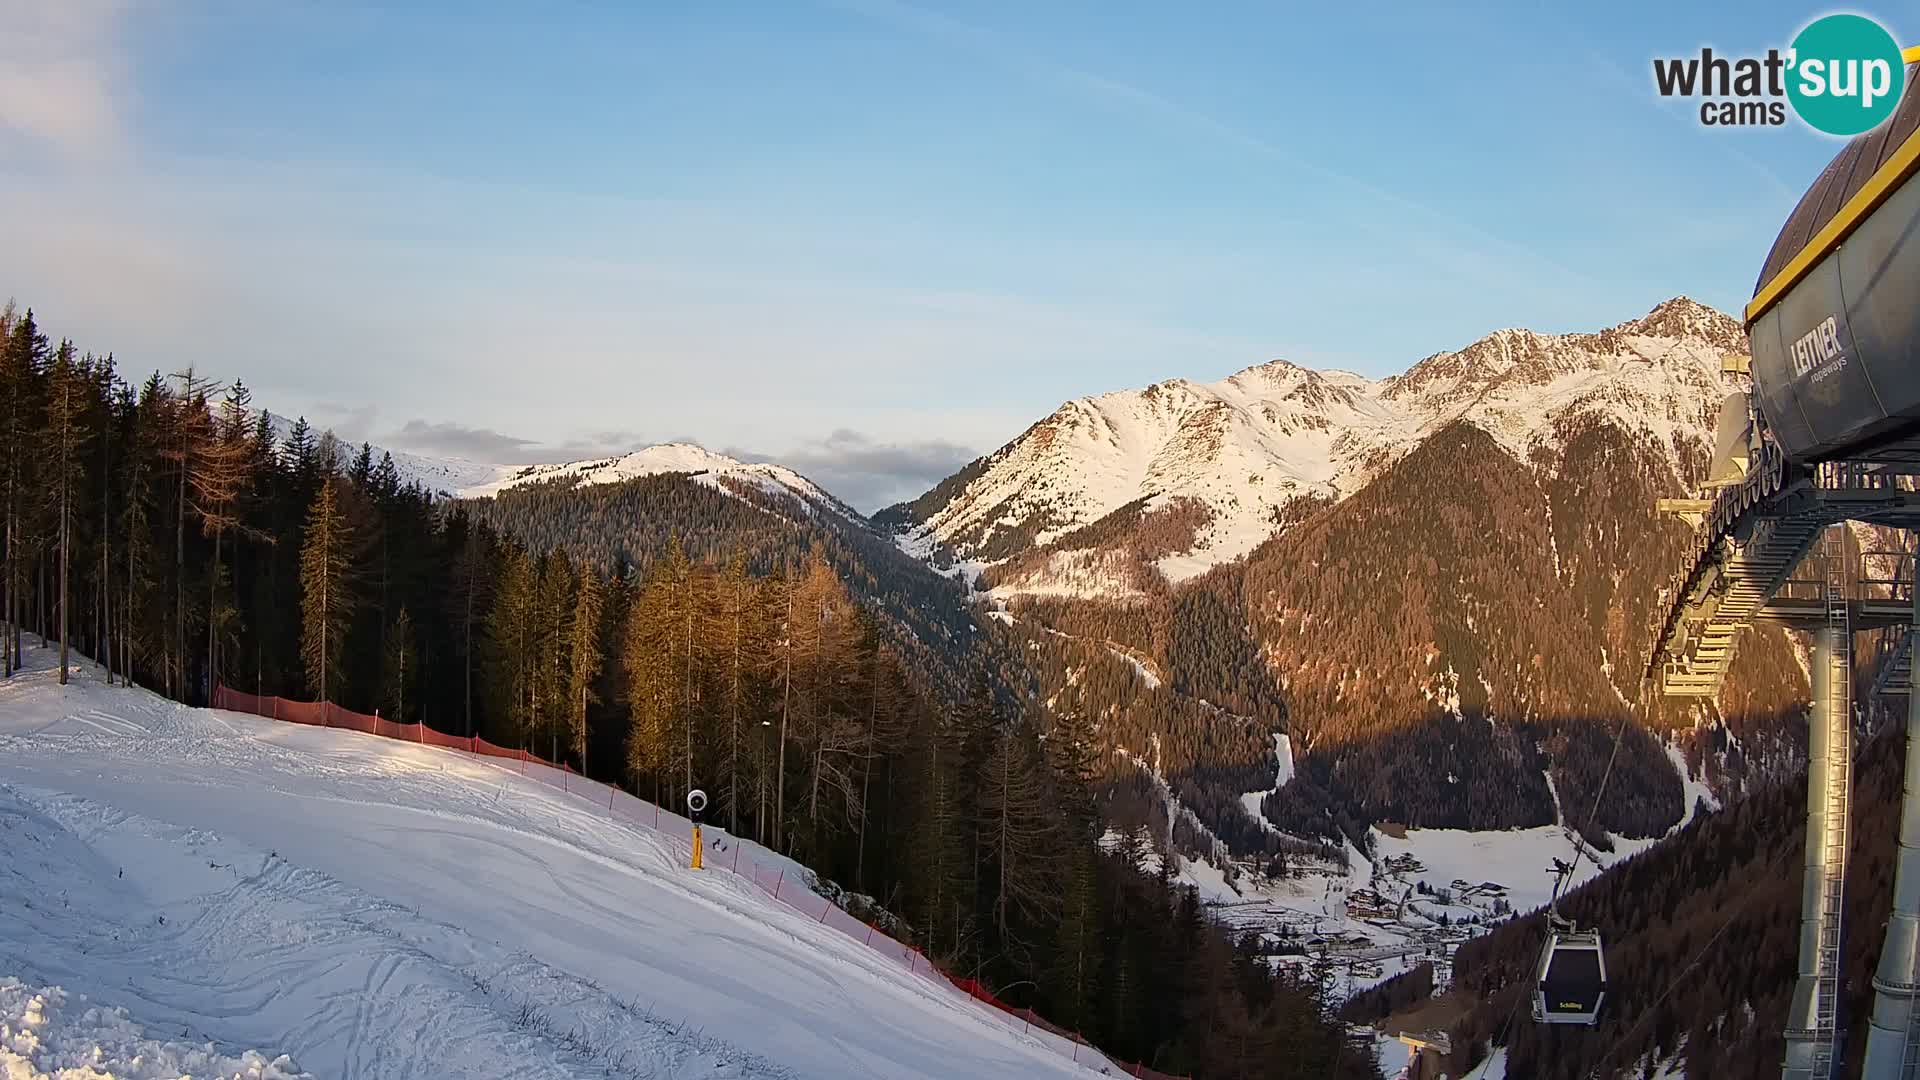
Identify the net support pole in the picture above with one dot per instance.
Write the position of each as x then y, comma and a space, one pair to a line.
1894, 981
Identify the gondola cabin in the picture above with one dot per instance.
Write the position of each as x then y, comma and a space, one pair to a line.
1571, 981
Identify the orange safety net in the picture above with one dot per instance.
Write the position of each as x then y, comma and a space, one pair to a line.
625, 806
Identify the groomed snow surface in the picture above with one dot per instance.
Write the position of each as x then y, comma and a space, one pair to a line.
374, 909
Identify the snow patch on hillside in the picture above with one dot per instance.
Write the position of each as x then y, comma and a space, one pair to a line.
1147, 677
1694, 791
1283, 772
926, 548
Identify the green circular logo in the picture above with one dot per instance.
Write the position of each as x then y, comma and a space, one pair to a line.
1846, 76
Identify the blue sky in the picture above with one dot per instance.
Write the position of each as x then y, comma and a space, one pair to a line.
869, 238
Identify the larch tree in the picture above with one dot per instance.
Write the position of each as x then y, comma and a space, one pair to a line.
787, 648
828, 728
221, 468
739, 622
655, 658
328, 602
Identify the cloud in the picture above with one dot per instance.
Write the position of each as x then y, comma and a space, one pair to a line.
447, 439
866, 473
59, 66
459, 440
349, 423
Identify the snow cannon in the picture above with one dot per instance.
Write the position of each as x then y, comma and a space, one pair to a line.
696, 805
1834, 325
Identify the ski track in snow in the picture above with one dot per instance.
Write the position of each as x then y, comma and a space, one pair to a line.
381, 910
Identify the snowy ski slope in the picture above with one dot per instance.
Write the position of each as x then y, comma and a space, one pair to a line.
375, 909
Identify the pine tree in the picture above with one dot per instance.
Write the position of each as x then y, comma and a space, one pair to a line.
301, 452
1017, 829
976, 734
361, 471
326, 584
66, 436
22, 360
939, 867
401, 670
885, 729
583, 665
554, 600
269, 521
510, 640
147, 425
108, 398
1074, 761
1074, 978
470, 590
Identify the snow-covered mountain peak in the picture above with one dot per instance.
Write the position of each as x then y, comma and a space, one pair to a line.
714, 469
459, 478
1234, 455
1685, 317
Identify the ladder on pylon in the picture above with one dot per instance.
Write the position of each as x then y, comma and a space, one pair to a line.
1839, 734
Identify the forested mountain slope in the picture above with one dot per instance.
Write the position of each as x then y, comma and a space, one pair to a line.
1449, 624
717, 514
162, 534
1723, 895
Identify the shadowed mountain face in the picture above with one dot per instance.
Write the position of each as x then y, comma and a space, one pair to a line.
1445, 607
1437, 584
1459, 641
1701, 935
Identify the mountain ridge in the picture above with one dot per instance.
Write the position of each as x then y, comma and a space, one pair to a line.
1243, 448
462, 478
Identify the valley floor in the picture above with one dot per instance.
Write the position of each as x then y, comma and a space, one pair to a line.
374, 909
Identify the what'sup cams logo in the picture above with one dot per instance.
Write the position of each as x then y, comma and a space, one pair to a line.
1842, 75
